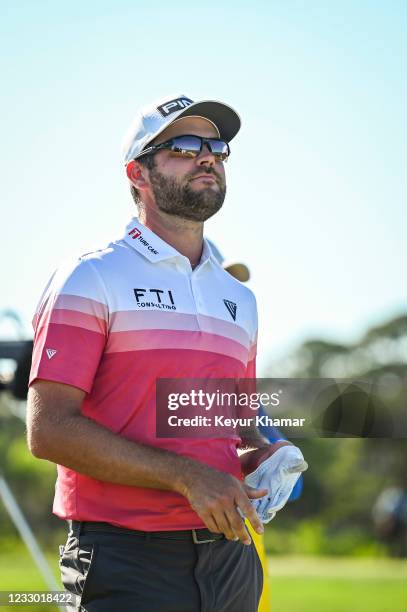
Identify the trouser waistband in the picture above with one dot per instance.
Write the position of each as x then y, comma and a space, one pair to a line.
198, 536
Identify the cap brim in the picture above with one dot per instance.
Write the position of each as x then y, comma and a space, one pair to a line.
223, 116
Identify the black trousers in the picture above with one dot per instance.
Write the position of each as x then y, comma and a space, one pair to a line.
110, 568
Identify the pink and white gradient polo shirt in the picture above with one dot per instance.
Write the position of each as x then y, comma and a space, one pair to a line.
111, 323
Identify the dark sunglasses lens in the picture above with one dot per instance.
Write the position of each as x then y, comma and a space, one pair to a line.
219, 148
186, 144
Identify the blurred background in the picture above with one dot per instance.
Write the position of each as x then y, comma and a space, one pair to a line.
316, 208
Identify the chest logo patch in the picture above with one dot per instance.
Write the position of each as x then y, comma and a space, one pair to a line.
155, 298
232, 308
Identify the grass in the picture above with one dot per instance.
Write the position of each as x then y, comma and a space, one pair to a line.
305, 584
298, 584
19, 573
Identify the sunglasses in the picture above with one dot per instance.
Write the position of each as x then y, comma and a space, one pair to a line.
190, 146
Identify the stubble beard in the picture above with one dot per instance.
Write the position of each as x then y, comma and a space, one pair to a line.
182, 201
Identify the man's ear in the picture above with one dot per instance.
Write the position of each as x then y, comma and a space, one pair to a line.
135, 174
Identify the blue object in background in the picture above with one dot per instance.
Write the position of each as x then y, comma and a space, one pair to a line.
273, 434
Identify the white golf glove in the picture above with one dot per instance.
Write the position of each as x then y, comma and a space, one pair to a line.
278, 474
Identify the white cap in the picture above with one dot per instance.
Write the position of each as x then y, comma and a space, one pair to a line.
153, 119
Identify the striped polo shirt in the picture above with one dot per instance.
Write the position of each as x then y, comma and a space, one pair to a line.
111, 323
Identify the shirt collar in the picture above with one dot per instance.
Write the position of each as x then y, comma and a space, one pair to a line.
143, 240
207, 253
146, 242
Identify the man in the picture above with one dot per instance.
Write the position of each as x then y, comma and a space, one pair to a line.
155, 523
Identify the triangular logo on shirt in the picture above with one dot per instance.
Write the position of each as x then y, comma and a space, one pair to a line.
50, 353
232, 307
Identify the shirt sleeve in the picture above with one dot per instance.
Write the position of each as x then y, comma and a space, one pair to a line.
70, 326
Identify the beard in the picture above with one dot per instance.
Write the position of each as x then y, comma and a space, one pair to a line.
180, 200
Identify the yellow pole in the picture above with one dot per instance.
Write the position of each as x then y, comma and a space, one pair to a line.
265, 603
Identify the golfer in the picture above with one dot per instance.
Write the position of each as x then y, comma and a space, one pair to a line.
155, 524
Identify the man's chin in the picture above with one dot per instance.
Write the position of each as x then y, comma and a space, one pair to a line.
193, 203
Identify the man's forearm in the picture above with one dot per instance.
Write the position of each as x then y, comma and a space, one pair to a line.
83, 445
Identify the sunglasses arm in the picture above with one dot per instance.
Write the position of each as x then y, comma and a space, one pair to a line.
151, 149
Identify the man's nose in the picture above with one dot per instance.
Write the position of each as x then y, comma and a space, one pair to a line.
205, 157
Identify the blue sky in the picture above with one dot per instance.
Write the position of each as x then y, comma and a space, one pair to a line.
317, 187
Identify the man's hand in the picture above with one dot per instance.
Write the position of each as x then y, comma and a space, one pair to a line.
221, 500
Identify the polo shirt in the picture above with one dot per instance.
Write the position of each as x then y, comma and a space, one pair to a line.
111, 323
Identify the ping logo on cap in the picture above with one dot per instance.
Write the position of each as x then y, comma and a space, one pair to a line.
174, 105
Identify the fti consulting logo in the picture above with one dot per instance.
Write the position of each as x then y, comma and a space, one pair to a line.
162, 299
